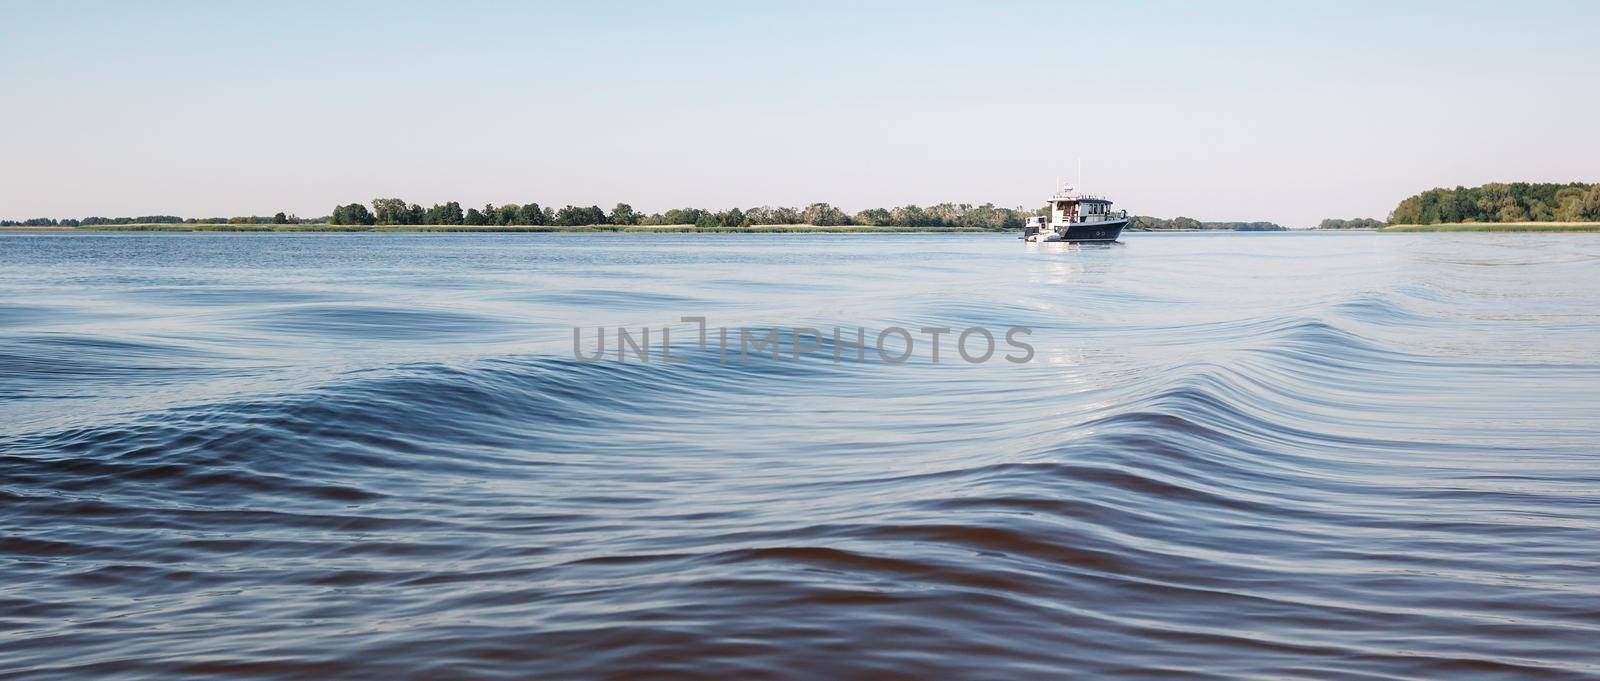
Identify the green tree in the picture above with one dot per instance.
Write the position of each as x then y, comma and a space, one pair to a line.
508, 214
280, 219
910, 216
877, 217
785, 215
759, 215
1448, 209
623, 214
1493, 202
453, 214
1591, 204
353, 214
1511, 212
530, 214
443, 214
389, 211
575, 216
823, 215
944, 215
682, 216
1354, 223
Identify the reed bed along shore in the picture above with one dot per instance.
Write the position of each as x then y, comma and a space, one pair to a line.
1498, 227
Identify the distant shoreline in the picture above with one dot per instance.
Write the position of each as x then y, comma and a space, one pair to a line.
325, 228
582, 229
1498, 227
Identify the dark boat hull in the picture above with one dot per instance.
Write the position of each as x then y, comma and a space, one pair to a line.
1108, 230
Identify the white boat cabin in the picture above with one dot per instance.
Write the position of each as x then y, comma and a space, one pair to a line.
1069, 207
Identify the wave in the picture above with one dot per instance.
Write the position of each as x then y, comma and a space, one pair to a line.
1315, 490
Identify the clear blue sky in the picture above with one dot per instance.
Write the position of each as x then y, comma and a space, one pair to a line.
1264, 110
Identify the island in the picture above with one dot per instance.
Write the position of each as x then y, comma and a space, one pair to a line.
1501, 207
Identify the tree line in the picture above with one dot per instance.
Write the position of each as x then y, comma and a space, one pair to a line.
1352, 223
278, 219
399, 212
1501, 202
1145, 223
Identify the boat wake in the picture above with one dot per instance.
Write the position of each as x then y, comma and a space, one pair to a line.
1302, 491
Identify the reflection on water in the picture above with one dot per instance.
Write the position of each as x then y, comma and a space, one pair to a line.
1254, 455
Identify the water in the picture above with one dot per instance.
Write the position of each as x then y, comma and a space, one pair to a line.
1251, 455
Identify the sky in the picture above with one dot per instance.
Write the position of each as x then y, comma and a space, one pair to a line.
1288, 112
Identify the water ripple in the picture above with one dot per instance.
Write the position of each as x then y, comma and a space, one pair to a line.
1371, 458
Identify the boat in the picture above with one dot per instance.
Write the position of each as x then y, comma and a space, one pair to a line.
1076, 217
